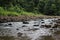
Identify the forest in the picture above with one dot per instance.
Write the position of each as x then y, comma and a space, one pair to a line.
29, 7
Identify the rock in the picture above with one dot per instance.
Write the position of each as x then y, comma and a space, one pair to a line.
19, 34
9, 24
35, 25
25, 22
33, 29
55, 26
17, 29
47, 26
42, 20
24, 26
42, 26
58, 21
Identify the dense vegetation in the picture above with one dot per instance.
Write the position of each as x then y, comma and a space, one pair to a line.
46, 7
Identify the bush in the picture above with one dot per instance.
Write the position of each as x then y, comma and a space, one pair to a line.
7, 13
14, 9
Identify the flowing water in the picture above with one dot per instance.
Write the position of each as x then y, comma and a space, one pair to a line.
42, 29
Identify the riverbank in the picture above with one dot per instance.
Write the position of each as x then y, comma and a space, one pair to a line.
23, 18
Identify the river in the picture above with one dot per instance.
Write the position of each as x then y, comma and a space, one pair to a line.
41, 29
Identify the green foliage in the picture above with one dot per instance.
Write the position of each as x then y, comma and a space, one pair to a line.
47, 7
4, 12
7, 13
15, 9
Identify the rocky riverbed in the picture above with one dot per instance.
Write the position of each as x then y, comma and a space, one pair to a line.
40, 29
23, 18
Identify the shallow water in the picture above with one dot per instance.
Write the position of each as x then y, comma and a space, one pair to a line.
30, 30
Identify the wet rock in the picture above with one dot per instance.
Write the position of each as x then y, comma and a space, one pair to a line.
19, 34
42, 20
58, 21
24, 26
51, 23
33, 29
35, 25
25, 22
47, 26
5, 24
42, 26
9, 24
51, 29
17, 29
55, 26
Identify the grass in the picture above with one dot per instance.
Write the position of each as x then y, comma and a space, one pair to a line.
14, 13
30, 14
10, 13
7, 13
